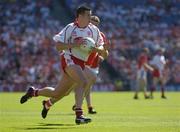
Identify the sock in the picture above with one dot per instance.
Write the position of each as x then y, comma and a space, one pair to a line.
34, 93
162, 90
90, 108
78, 112
136, 95
152, 89
74, 107
48, 104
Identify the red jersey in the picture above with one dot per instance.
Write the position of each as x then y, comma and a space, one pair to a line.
142, 60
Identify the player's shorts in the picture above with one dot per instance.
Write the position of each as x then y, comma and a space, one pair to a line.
141, 74
71, 60
94, 70
156, 73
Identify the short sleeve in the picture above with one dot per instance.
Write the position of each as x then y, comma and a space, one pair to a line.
63, 35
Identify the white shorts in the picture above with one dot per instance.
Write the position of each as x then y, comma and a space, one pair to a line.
141, 74
94, 70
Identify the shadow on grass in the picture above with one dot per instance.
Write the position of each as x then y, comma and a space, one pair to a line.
41, 128
67, 114
49, 126
55, 124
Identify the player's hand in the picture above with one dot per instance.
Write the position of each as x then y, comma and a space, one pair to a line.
77, 44
94, 49
107, 45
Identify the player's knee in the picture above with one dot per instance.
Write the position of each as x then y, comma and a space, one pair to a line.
82, 82
93, 79
67, 93
57, 95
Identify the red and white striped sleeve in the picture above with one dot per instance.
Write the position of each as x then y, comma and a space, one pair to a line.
64, 35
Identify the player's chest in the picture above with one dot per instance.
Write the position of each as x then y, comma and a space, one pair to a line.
78, 32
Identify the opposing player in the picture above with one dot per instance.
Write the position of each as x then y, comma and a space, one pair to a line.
159, 63
143, 66
73, 64
93, 63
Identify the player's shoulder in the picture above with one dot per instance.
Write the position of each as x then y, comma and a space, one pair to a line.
93, 26
70, 25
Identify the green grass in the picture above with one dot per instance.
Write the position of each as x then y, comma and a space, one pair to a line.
117, 112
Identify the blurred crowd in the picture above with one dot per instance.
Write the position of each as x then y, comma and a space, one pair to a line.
132, 25
28, 55
26, 49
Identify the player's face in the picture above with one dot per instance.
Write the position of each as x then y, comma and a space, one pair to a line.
86, 17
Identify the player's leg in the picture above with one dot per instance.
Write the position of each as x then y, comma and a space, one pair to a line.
91, 74
90, 107
137, 88
69, 80
78, 76
61, 89
153, 86
162, 85
71, 89
138, 84
91, 77
144, 86
33, 92
46, 91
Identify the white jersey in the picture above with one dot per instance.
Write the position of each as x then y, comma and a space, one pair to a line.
158, 61
72, 32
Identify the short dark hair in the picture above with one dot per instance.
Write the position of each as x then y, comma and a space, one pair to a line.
81, 10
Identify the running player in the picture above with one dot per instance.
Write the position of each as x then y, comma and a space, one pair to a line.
73, 65
93, 63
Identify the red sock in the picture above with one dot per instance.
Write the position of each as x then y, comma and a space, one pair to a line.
48, 104
78, 112
36, 92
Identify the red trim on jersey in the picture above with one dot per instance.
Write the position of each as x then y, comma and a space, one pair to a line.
105, 38
91, 31
65, 34
96, 62
76, 61
91, 58
79, 62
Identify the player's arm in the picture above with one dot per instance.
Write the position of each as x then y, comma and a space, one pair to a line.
65, 46
102, 52
62, 39
147, 66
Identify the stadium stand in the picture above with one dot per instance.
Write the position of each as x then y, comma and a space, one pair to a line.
28, 55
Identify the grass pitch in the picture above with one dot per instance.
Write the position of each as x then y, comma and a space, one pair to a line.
117, 112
